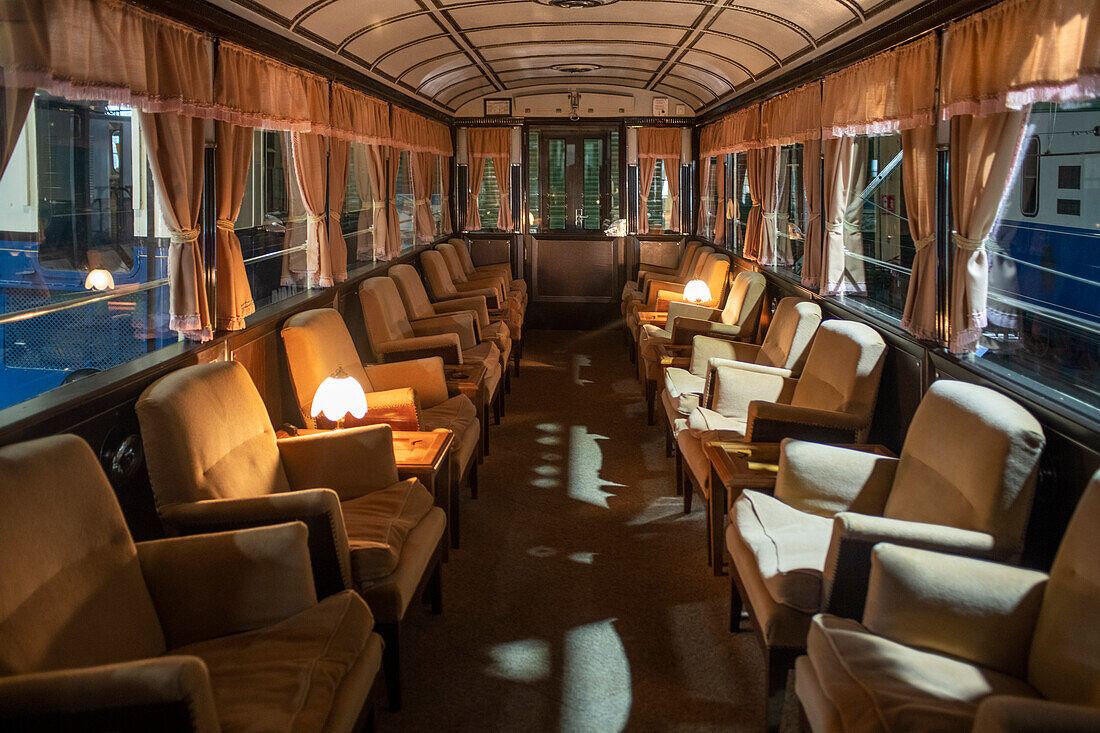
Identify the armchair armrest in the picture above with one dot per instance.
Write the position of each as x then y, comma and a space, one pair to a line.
210, 585
653, 287
444, 345
319, 509
682, 308
848, 561
684, 330
171, 692
1009, 714
706, 347
770, 422
973, 609
426, 376
475, 303
827, 479
493, 299
463, 324
352, 462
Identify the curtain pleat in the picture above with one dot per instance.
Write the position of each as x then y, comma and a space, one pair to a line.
502, 166
704, 187
646, 169
375, 159
445, 176
983, 153
477, 171
672, 175
756, 167
845, 166
16, 105
231, 166
393, 220
918, 172
423, 165
720, 214
176, 145
338, 153
310, 161
812, 239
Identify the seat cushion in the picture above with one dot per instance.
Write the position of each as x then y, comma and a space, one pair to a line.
702, 420
285, 677
460, 416
378, 524
879, 685
788, 548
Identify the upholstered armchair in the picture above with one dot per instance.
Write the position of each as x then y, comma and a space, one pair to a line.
963, 484
637, 289
215, 464
785, 347
737, 319
713, 269
442, 288
955, 642
462, 282
419, 306
502, 270
203, 633
833, 400
317, 344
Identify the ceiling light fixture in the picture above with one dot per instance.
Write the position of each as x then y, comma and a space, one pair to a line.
576, 4
575, 68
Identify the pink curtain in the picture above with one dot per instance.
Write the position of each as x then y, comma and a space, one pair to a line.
983, 152
423, 166
704, 192
231, 166
393, 221
672, 175
756, 165
376, 170
477, 170
918, 172
338, 153
176, 145
812, 240
845, 170
502, 166
646, 169
720, 214
15, 105
310, 163
445, 176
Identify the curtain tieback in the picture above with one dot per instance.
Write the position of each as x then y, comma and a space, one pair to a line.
376, 205
315, 218
184, 236
423, 202
224, 225
842, 227
334, 215
770, 215
972, 245
923, 242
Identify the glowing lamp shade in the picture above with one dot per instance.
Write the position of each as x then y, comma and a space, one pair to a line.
696, 291
99, 280
339, 396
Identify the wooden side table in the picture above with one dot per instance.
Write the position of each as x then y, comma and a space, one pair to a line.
425, 456
469, 379
735, 466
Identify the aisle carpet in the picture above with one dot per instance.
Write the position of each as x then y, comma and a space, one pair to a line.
580, 599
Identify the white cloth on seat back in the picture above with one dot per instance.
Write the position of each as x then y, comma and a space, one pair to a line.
684, 389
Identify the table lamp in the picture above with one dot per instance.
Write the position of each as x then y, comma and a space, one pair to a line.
99, 280
339, 396
696, 291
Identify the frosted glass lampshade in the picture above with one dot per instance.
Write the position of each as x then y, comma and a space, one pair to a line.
99, 280
696, 291
339, 396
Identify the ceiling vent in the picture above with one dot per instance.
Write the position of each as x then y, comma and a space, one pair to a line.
575, 4
575, 68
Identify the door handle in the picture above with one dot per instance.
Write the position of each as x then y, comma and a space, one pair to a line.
580, 217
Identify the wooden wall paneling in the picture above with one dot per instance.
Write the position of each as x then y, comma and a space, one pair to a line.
660, 252
490, 250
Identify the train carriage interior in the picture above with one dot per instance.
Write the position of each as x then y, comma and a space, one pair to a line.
550, 365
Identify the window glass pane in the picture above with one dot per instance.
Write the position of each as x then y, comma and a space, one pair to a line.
886, 258
556, 194
437, 194
710, 196
1044, 276
406, 201
272, 221
357, 218
488, 200
78, 195
614, 174
659, 204
534, 212
742, 196
790, 222
593, 167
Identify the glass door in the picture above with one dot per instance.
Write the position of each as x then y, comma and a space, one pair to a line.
574, 172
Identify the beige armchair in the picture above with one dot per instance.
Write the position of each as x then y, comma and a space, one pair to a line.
713, 269
963, 484
176, 634
956, 643
832, 401
636, 290
215, 464
462, 281
498, 269
442, 288
418, 306
738, 319
317, 343
785, 347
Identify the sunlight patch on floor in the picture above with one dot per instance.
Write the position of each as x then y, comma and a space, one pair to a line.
585, 462
596, 684
526, 660
579, 361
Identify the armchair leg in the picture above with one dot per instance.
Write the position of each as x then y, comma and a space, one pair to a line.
485, 428
390, 633
736, 606
780, 664
472, 480
497, 410
433, 592
507, 379
515, 360
679, 474
650, 399
669, 443
689, 487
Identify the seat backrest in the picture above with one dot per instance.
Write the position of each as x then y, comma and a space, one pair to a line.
790, 334
453, 261
437, 275
383, 313
842, 371
1065, 652
687, 259
463, 253
699, 262
743, 304
207, 435
411, 288
317, 343
73, 593
969, 460
715, 273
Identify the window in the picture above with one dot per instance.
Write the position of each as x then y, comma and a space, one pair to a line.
790, 221
77, 195
879, 270
1044, 278
742, 196
488, 199
710, 196
660, 203
534, 213
616, 211
406, 201
593, 166
272, 221
357, 218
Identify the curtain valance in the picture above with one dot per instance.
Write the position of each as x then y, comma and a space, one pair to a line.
419, 134
257, 91
360, 118
884, 94
105, 49
488, 142
793, 117
1020, 52
733, 133
659, 142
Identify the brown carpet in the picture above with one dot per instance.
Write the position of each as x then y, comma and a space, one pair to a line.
580, 599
